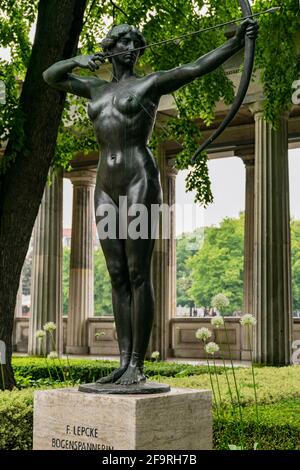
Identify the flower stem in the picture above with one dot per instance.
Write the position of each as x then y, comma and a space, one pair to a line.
228, 385
241, 427
217, 380
45, 355
59, 361
70, 371
213, 388
214, 395
254, 381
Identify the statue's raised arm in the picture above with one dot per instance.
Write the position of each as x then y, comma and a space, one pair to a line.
171, 80
59, 75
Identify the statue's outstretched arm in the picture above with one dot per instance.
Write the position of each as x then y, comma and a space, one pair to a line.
171, 80
59, 75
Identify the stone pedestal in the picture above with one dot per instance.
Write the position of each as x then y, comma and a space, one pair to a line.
66, 419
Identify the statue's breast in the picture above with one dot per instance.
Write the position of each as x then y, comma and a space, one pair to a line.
122, 99
127, 103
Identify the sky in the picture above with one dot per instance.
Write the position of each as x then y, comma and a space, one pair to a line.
228, 187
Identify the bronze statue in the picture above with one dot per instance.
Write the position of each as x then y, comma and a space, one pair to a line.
123, 113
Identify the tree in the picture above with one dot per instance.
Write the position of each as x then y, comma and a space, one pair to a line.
295, 242
218, 266
30, 150
186, 246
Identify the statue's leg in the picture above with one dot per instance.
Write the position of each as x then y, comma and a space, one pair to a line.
139, 260
139, 253
115, 256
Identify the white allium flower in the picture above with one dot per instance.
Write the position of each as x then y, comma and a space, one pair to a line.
220, 301
155, 355
212, 348
40, 334
52, 355
217, 321
248, 320
203, 334
50, 326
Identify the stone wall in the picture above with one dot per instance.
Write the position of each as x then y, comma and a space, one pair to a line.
102, 337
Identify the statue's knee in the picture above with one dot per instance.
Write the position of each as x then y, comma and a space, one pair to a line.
137, 277
119, 277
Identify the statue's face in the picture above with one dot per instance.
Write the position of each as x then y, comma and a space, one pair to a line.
126, 45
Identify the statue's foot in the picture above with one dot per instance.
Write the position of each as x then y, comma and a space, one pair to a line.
132, 375
113, 377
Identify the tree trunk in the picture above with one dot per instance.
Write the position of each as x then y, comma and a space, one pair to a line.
21, 188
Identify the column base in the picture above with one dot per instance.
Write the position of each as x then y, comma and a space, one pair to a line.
66, 419
78, 350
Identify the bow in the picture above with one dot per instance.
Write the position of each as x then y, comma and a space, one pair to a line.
244, 84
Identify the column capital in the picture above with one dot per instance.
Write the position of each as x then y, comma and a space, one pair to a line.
248, 160
171, 170
80, 177
257, 108
247, 154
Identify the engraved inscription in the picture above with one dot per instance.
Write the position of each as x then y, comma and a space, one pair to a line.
74, 443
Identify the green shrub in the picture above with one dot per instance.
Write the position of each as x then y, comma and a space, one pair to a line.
85, 371
16, 420
279, 427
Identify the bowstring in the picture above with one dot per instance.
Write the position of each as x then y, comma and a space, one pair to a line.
199, 31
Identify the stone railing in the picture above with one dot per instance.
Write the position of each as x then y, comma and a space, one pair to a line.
186, 345
102, 339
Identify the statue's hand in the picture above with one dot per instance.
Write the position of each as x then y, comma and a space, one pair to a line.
89, 61
249, 28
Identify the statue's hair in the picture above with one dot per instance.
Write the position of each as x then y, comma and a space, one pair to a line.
117, 32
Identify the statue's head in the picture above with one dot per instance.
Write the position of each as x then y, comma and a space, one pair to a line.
122, 39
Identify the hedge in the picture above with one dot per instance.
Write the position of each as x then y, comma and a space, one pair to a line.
16, 420
85, 371
279, 424
278, 429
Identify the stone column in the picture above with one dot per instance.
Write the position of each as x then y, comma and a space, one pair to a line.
164, 266
18, 307
272, 299
18, 314
172, 265
46, 283
248, 232
81, 288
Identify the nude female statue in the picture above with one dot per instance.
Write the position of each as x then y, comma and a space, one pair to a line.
123, 113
